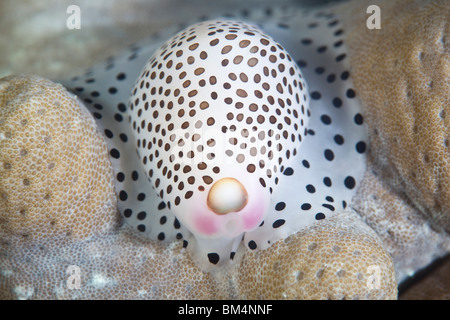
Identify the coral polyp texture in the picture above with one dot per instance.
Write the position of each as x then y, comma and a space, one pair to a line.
55, 173
403, 77
339, 258
404, 195
289, 99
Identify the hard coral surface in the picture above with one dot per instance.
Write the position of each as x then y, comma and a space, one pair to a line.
117, 265
55, 174
402, 74
405, 233
338, 258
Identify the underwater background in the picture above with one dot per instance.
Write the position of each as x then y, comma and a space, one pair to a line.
35, 39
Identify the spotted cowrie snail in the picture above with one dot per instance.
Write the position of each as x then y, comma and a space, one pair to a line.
216, 112
223, 141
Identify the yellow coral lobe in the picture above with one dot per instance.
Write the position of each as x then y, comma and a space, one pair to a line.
55, 176
401, 72
337, 258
